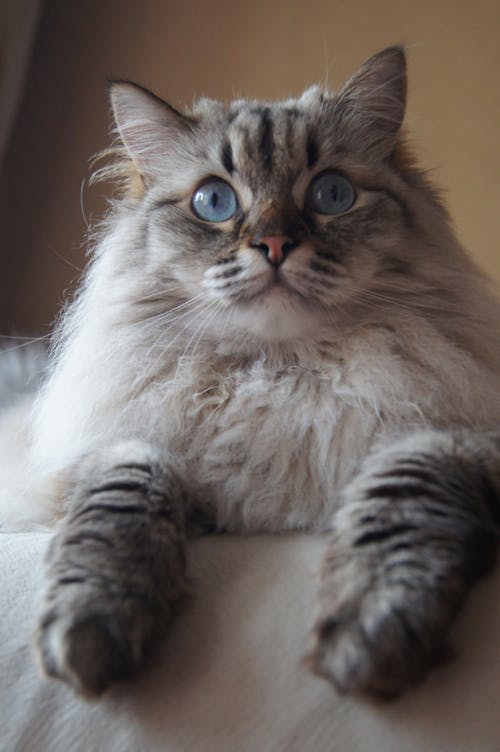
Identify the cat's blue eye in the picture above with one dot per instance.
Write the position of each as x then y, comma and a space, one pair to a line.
214, 201
330, 193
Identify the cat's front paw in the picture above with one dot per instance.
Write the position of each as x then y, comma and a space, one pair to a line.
114, 569
90, 647
382, 644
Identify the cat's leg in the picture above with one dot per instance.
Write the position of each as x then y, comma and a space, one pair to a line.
115, 567
415, 529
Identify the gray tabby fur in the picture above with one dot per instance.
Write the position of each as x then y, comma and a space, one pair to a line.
360, 395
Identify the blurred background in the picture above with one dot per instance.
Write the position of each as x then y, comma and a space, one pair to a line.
55, 58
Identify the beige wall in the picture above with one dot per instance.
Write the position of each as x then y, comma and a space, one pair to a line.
263, 48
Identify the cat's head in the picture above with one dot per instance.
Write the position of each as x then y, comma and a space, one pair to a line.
274, 215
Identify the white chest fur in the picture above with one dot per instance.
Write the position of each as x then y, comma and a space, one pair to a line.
269, 441
273, 448
273, 445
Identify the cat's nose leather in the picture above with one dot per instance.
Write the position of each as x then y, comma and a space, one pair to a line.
274, 247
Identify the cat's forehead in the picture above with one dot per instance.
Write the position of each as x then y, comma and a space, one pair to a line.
266, 136
310, 100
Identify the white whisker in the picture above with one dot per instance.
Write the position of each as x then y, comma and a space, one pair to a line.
29, 341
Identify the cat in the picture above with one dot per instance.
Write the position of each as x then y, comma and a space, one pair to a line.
278, 331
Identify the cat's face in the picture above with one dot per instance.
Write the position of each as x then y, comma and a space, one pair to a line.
275, 215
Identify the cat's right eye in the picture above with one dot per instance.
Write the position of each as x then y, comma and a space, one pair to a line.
330, 193
214, 201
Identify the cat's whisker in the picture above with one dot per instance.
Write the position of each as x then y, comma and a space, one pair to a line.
333, 319
212, 309
408, 303
173, 314
189, 314
358, 297
198, 334
154, 295
27, 343
66, 261
146, 378
82, 207
143, 378
427, 299
228, 314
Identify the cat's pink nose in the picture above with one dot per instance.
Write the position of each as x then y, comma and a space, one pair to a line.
274, 247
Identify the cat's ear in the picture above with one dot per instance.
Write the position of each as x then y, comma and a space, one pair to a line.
371, 105
151, 129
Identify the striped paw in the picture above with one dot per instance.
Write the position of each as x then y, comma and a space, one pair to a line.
413, 533
114, 569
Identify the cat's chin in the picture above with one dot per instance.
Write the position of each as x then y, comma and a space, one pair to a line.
277, 314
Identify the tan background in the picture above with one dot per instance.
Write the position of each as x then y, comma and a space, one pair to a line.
262, 48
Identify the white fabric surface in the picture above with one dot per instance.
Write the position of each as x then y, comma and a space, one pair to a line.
228, 677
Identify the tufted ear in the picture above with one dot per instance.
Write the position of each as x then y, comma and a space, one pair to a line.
370, 107
151, 130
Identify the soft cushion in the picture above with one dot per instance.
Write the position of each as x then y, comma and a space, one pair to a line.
229, 677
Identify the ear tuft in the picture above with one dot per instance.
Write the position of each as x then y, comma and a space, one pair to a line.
148, 127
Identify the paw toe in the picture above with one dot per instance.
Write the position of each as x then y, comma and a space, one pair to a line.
368, 654
88, 653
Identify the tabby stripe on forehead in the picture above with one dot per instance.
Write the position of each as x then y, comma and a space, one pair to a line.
292, 114
266, 139
227, 157
312, 150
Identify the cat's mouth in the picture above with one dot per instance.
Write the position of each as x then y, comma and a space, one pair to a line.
277, 287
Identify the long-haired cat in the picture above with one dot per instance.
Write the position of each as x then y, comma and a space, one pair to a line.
278, 331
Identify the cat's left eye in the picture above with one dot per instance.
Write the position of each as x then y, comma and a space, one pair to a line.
214, 201
330, 193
